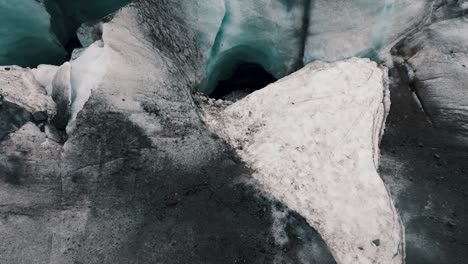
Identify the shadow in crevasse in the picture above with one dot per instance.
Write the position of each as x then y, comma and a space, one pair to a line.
247, 78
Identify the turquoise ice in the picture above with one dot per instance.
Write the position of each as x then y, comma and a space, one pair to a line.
36, 32
266, 32
283, 35
25, 34
279, 35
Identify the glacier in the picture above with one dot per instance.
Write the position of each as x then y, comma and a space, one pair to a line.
119, 150
281, 36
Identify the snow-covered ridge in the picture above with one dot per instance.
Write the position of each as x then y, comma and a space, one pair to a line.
312, 139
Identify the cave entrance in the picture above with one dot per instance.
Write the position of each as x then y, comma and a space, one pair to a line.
247, 78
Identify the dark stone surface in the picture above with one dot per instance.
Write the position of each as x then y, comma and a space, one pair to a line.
426, 170
12, 117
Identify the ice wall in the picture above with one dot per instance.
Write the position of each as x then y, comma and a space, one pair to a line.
283, 35
25, 35
341, 29
37, 32
265, 32
280, 35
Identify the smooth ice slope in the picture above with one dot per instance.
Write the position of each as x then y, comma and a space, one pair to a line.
282, 35
312, 140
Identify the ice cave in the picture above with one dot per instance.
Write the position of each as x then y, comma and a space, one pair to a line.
233, 131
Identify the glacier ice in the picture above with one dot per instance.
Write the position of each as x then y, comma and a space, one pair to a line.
39, 32
138, 129
282, 36
86, 73
266, 32
67, 16
312, 140
25, 35
279, 35
360, 28
62, 95
88, 33
44, 74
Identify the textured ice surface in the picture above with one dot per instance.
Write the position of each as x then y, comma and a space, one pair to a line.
359, 28
266, 32
278, 34
281, 35
88, 33
438, 62
312, 139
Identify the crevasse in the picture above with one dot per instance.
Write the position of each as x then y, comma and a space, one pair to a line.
283, 35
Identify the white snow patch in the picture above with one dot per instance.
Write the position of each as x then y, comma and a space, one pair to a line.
87, 72
44, 74
312, 140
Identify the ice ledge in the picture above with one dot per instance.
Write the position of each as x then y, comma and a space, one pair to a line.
312, 140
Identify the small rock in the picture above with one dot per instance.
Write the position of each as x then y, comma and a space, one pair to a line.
451, 224
376, 242
171, 203
437, 156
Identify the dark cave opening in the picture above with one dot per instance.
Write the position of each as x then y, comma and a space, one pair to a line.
72, 44
247, 78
